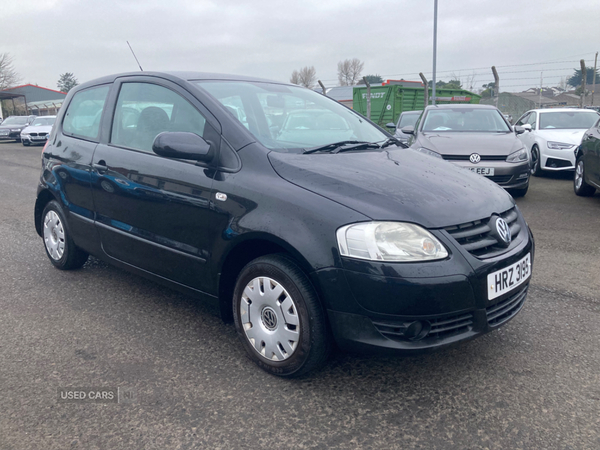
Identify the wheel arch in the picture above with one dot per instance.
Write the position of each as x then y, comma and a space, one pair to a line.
240, 254
44, 197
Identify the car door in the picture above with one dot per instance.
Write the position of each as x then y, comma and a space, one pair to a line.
527, 137
591, 143
154, 212
69, 157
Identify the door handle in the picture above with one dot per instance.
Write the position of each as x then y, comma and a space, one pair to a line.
100, 166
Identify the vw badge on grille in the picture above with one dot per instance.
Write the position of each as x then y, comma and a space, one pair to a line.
503, 230
474, 158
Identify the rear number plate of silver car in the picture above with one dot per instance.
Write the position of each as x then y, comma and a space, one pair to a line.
505, 280
485, 171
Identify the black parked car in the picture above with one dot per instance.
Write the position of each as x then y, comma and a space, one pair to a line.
301, 237
11, 127
587, 163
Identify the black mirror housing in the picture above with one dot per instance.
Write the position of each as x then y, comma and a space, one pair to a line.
182, 145
390, 125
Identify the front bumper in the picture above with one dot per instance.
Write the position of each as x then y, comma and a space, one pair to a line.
507, 175
11, 136
557, 160
434, 305
34, 139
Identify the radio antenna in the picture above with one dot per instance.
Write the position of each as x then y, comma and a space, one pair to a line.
136, 60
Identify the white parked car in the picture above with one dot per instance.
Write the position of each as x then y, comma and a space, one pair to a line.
552, 135
38, 131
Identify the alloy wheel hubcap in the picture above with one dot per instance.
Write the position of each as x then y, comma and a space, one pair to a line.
270, 319
579, 175
54, 235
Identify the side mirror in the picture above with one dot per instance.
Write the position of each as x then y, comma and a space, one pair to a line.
391, 126
408, 130
526, 127
182, 145
520, 129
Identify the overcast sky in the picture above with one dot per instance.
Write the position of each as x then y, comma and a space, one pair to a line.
270, 39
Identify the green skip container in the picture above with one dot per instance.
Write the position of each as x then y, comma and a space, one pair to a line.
388, 101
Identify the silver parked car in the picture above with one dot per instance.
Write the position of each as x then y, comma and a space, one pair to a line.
406, 119
38, 131
476, 137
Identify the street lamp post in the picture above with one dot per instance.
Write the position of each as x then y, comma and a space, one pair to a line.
435, 8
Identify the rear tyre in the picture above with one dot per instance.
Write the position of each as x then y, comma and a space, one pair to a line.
536, 170
580, 187
60, 248
279, 318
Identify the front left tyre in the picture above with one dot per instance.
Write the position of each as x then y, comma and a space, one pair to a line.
60, 248
536, 161
279, 318
580, 187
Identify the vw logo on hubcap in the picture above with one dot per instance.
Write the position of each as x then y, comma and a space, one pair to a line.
269, 319
503, 230
474, 158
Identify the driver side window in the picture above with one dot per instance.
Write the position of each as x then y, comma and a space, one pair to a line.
145, 110
523, 120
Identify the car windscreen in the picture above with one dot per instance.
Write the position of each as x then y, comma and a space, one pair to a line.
290, 118
408, 120
465, 120
43, 121
564, 120
21, 120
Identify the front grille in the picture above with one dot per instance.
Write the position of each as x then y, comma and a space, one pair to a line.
466, 157
477, 239
506, 309
449, 326
500, 178
441, 327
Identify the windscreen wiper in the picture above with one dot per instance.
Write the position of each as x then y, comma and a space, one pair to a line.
393, 141
331, 147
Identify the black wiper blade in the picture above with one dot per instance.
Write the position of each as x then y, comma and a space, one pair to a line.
361, 146
393, 141
331, 147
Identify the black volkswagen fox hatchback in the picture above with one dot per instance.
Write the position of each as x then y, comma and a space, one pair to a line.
307, 223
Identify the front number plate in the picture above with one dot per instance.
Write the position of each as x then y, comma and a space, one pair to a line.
505, 280
485, 171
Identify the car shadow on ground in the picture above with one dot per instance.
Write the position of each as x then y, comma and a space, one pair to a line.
183, 315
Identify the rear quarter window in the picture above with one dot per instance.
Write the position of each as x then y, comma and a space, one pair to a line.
83, 115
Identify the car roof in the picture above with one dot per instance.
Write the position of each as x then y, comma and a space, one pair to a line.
178, 76
578, 110
461, 106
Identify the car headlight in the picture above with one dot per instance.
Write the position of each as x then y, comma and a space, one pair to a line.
428, 152
518, 156
559, 145
15, 129
389, 241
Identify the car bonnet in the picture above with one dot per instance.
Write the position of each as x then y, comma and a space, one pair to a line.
399, 184
464, 143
